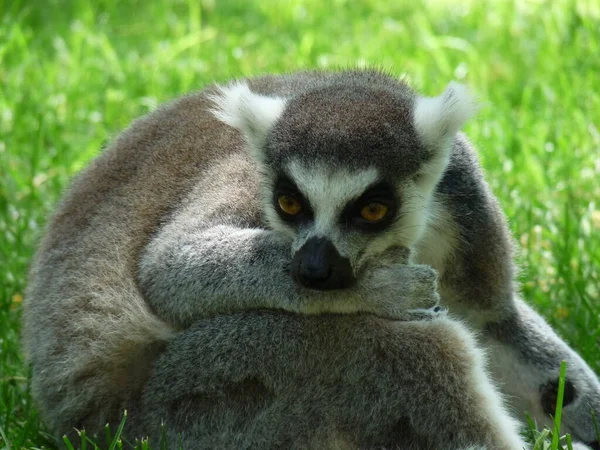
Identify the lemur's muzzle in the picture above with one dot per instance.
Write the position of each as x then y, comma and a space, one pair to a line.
318, 265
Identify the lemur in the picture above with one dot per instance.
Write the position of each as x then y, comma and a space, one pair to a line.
320, 193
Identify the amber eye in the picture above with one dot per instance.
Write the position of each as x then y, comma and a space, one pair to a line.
289, 205
374, 212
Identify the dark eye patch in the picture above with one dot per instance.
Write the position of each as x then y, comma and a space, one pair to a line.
381, 192
285, 186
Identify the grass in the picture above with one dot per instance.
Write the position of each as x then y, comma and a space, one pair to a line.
74, 73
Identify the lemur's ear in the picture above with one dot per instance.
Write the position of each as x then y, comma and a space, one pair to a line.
251, 113
438, 119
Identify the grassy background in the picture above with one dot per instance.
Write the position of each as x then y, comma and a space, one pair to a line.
74, 73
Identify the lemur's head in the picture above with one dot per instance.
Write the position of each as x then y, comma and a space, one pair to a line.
349, 167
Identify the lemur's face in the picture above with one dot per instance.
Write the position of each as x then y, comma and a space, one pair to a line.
348, 170
337, 219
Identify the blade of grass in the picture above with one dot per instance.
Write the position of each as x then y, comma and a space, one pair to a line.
163, 445
559, 404
68, 443
83, 437
107, 434
531, 427
539, 442
569, 442
596, 427
4, 438
117, 437
3, 435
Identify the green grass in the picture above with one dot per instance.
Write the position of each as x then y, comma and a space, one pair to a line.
74, 73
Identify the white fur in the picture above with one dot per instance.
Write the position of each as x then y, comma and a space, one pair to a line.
430, 173
437, 120
253, 114
328, 193
440, 239
413, 215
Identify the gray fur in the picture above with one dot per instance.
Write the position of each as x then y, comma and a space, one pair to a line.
174, 223
342, 382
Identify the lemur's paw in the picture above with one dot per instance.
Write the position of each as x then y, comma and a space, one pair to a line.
392, 291
420, 283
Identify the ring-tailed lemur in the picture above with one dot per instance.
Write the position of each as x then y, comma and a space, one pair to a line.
300, 192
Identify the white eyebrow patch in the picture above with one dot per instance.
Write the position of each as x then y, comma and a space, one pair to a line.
329, 191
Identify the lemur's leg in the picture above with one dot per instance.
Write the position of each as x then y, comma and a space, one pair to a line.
266, 379
190, 270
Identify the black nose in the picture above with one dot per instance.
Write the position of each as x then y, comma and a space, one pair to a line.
318, 265
594, 445
550, 393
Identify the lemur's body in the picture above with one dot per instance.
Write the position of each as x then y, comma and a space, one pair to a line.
171, 225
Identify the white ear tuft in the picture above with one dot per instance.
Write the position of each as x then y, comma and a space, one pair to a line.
251, 113
438, 119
